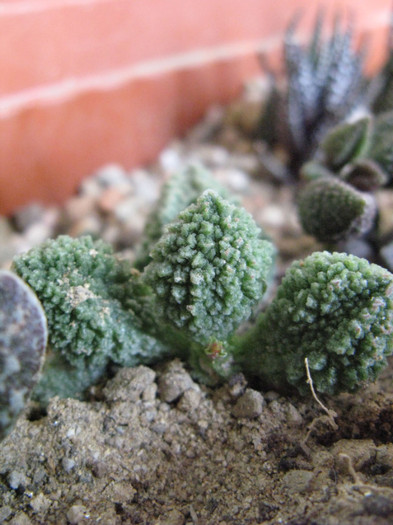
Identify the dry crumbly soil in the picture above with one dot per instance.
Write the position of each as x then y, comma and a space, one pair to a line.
154, 447
151, 446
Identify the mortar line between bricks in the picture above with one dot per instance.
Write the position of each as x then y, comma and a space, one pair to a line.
26, 7
74, 86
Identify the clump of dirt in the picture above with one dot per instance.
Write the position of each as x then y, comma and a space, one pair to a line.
152, 446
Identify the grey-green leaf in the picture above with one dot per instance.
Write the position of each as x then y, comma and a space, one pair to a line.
23, 339
332, 210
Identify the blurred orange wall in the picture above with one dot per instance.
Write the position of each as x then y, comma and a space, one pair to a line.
86, 82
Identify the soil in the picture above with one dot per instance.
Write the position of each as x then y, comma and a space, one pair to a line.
150, 445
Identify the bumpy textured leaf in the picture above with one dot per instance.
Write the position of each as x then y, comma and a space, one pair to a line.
336, 310
85, 291
183, 188
346, 142
209, 269
23, 338
332, 210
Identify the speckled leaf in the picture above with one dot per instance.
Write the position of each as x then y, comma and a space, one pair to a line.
332, 210
346, 142
23, 337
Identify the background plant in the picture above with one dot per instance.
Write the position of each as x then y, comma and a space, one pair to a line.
324, 84
335, 125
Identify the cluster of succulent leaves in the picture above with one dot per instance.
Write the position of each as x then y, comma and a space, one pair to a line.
335, 310
203, 279
353, 161
337, 128
324, 85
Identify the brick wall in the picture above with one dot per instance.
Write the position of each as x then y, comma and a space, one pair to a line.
85, 82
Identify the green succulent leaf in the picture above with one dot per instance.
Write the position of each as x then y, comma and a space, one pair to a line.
313, 170
183, 188
85, 291
381, 146
346, 142
209, 269
335, 309
332, 210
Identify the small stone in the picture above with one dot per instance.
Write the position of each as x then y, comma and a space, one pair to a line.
385, 455
129, 384
90, 187
212, 155
297, 481
77, 514
360, 451
37, 233
20, 519
88, 225
150, 392
145, 186
293, 415
173, 517
79, 207
109, 199
271, 395
111, 175
121, 492
378, 505
237, 385
17, 479
190, 400
174, 382
249, 405
68, 464
100, 469
28, 215
40, 503
5, 512
236, 179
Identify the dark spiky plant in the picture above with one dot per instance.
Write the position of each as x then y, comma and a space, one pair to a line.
324, 85
382, 85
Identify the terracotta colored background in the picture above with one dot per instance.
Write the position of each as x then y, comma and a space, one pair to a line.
86, 82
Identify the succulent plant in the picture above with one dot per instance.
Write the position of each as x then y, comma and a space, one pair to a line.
208, 271
324, 85
336, 310
333, 211
360, 150
85, 289
353, 160
346, 142
23, 339
182, 188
